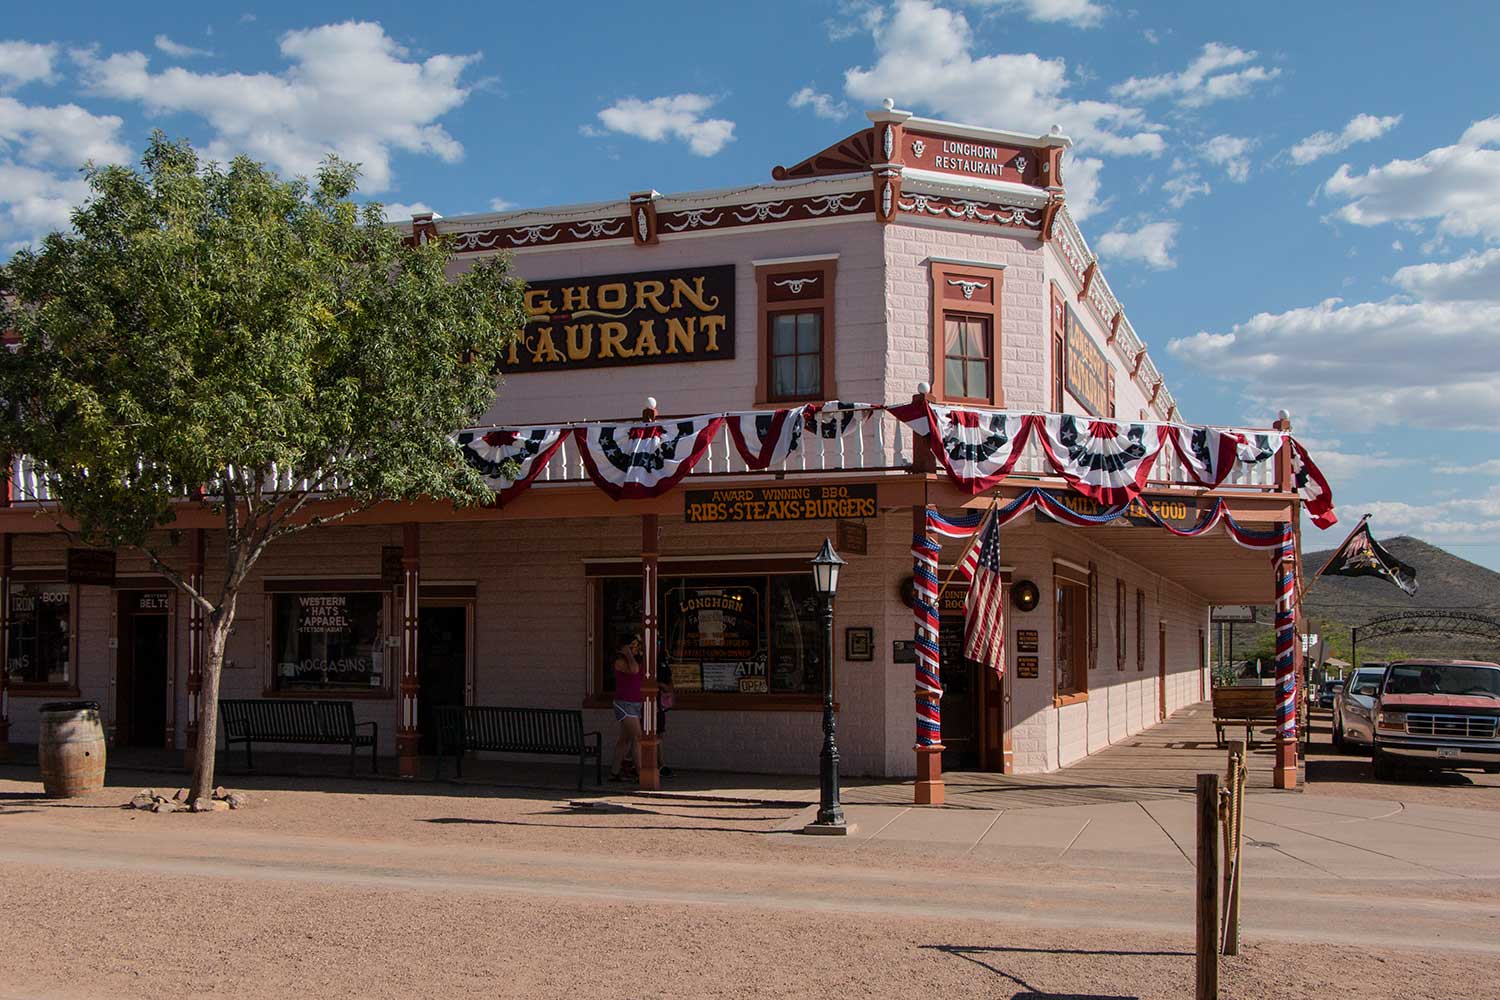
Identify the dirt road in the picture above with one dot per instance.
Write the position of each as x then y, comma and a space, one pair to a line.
373, 894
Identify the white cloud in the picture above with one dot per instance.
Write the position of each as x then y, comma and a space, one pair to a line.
822, 105
65, 135
34, 202
1361, 128
1211, 77
26, 62
1457, 185
177, 49
1078, 13
925, 56
350, 89
1474, 278
1184, 187
680, 116
1430, 362
1081, 178
1488, 467
1230, 152
501, 205
1151, 244
1466, 518
396, 211
1150, 35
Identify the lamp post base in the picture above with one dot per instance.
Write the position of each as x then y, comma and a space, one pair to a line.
929, 789
829, 829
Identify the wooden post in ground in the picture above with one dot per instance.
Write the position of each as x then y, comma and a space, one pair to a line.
408, 739
1208, 888
929, 789
1233, 841
195, 649
1285, 773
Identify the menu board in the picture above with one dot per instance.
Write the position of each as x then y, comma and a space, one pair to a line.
719, 625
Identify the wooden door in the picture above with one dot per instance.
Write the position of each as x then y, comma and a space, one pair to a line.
1161, 667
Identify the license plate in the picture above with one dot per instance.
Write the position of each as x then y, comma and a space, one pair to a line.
1447, 753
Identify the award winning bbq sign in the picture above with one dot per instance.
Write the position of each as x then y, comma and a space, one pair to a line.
781, 503
644, 318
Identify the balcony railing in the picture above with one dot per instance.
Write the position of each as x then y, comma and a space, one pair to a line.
878, 443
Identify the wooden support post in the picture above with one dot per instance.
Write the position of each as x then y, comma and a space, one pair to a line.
1233, 841
408, 738
649, 766
195, 648
1208, 888
929, 789
1284, 774
5, 565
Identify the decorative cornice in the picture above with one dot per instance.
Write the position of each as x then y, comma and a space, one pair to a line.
932, 206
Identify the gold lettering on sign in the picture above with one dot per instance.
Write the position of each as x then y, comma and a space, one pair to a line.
612, 336
580, 341
711, 325
575, 297
650, 291
612, 297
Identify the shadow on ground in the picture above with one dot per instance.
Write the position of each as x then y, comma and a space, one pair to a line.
991, 957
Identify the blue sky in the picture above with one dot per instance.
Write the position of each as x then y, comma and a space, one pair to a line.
1298, 204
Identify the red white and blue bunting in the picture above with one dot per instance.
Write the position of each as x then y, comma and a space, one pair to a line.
1102, 459
929, 684
643, 460
491, 453
1108, 460
1286, 637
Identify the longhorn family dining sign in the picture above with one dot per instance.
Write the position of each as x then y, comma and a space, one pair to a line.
644, 318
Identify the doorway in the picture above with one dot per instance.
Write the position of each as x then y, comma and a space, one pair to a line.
442, 665
1161, 668
960, 695
143, 674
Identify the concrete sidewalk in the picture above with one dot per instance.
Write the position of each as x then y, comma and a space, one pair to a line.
1285, 835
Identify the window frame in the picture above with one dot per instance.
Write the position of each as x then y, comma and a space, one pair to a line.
1140, 630
1059, 359
32, 689
596, 573
985, 303
272, 589
1122, 601
987, 335
1075, 583
815, 295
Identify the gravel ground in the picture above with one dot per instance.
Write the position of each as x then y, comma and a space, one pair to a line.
1331, 772
378, 891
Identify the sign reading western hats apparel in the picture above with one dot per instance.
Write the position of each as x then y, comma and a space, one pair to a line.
1179, 512
781, 503
643, 318
1086, 368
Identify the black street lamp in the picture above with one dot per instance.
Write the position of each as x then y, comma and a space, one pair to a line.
825, 566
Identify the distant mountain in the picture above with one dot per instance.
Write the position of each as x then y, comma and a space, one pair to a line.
1334, 603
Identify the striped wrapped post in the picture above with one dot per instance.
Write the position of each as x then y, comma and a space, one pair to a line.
1286, 661
929, 689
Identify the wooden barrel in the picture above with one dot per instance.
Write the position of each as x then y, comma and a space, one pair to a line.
70, 749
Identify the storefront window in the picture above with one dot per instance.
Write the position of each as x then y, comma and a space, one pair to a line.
40, 642
752, 634
328, 642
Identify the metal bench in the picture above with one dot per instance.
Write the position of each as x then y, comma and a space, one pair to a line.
1243, 706
550, 731
296, 720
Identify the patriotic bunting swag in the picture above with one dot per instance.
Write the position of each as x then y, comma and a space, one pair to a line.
498, 453
929, 692
1101, 459
644, 460
1286, 637
1107, 460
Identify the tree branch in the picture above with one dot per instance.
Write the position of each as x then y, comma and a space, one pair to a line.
177, 579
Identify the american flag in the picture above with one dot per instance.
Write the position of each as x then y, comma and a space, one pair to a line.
984, 608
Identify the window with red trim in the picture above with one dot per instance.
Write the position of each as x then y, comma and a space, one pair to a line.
796, 331
966, 333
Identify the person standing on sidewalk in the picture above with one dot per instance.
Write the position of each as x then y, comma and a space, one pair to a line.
627, 707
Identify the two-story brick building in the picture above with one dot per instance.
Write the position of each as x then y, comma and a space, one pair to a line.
912, 257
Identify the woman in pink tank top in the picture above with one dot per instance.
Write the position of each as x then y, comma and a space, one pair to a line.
628, 678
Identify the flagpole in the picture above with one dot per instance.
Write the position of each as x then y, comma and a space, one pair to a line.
973, 540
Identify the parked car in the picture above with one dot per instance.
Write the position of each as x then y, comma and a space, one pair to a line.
1354, 708
1327, 691
1437, 715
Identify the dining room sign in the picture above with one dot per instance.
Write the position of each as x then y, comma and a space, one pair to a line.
642, 318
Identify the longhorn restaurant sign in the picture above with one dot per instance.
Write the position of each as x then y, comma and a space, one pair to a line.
644, 318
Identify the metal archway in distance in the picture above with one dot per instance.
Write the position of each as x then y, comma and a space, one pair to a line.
1454, 623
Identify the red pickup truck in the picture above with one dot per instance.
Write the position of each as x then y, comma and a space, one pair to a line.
1437, 715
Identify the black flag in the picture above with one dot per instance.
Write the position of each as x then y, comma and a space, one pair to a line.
1362, 555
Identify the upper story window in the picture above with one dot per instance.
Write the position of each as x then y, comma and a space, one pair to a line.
796, 330
966, 333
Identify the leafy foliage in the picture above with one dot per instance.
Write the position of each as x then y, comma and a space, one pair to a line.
208, 326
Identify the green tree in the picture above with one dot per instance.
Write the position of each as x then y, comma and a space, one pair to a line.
269, 343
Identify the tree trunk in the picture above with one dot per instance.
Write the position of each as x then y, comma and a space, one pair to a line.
216, 637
